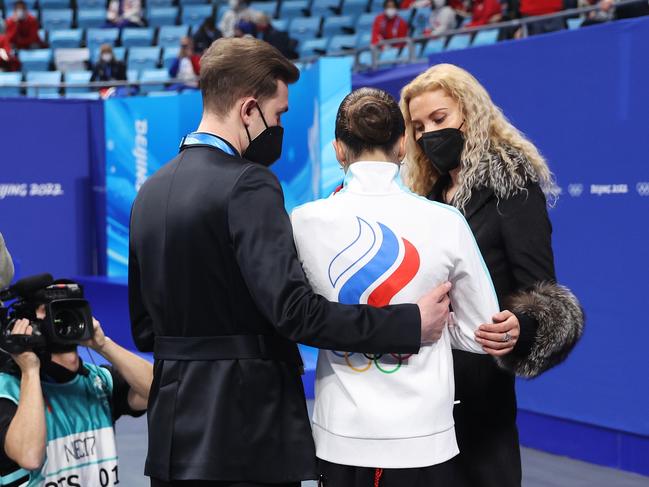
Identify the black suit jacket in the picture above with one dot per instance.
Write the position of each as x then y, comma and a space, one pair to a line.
212, 253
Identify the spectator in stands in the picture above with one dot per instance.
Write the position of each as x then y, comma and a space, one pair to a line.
245, 28
442, 17
605, 13
239, 10
8, 61
389, 25
124, 13
205, 35
186, 67
276, 38
108, 68
485, 12
531, 8
22, 28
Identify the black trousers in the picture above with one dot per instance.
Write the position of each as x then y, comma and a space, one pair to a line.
215, 483
335, 475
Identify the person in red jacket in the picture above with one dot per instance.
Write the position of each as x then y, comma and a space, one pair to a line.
186, 67
531, 8
485, 12
8, 61
22, 28
389, 25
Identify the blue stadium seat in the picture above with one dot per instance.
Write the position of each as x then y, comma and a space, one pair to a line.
302, 28
31, 6
365, 22
77, 77
575, 23
355, 8
90, 95
421, 20
91, 4
458, 41
47, 4
290, 9
162, 16
45, 77
337, 25
170, 35
153, 75
220, 11
325, 7
162, 93
196, 14
433, 46
365, 58
71, 58
140, 58
118, 52
91, 18
376, 6
389, 54
159, 3
364, 40
280, 24
132, 75
169, 54
313, 47
96, 37
407, 14
137, 36
341, 42
485, 37
9, 79
35, 59
269, 8
67, 38
56, 19
193, 2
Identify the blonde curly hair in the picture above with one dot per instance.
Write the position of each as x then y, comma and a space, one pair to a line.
495, 155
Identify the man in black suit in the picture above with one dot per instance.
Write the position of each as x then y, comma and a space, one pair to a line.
218, 294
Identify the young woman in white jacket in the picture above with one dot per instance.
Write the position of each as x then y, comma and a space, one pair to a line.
387, 419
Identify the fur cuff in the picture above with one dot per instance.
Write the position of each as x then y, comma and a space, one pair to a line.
560, 321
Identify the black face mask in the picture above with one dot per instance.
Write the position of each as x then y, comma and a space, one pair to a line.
443, 148
266, 148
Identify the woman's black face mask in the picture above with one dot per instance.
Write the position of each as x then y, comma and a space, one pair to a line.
443, 148
266, 148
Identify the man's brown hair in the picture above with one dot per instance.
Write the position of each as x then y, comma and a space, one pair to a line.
238, 67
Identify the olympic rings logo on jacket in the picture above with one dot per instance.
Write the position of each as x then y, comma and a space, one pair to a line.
372, 358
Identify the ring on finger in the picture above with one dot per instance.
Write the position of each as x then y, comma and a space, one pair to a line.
507, 337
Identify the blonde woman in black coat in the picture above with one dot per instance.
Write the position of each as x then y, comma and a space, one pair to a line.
462, 151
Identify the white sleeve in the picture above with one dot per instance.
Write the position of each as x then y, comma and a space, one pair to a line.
473, 297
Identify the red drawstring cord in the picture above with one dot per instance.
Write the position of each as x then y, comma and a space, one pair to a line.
378, 473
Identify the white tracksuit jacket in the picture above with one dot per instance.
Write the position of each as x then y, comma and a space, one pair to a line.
376, 242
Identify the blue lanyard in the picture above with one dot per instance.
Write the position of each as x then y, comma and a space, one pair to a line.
201, 138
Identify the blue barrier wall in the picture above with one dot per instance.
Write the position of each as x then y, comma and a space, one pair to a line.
49, 151
583, 98
142, 134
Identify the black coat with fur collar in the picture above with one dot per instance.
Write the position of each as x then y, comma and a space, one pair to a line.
514, 234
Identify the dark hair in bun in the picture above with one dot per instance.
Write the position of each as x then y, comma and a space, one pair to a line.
369, 119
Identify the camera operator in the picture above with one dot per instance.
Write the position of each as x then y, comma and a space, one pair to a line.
57, 414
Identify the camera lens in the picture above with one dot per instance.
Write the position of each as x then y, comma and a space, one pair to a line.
68, 324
